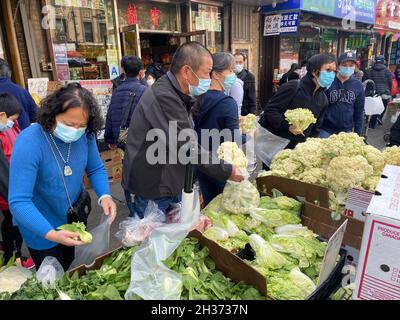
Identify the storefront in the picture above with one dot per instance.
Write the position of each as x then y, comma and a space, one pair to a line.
2, 44
296, 30
387, 25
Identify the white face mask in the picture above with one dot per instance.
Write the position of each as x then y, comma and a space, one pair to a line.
150, 82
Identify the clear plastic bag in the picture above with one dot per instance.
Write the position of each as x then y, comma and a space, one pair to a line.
240, 197
12, 278
49, 272
134, 231
86, 255
150, 278
268, 145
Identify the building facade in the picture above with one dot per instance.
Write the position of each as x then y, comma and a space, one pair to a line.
295, 30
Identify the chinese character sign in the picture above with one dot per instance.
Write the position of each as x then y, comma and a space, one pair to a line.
155, 17
131, 15
272, 25
281, 23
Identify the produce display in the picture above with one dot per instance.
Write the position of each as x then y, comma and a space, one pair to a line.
79, 228
201, 280
232, 154
301, 118
248, 123
110, 282
287, 253
340, 163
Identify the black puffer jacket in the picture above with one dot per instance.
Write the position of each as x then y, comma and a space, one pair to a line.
382, 77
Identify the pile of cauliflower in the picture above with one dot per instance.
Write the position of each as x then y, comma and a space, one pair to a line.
340, 163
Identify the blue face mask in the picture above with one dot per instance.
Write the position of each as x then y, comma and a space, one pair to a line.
230, 81
239, 68
326, 79
346, 71
201, 88
68, 134
8, 125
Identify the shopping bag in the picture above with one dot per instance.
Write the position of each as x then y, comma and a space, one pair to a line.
86, 255
133, 231
268, 145
49, 272
374, 106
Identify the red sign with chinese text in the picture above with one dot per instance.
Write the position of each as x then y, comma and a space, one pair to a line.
131, 15
155, 17
388, 14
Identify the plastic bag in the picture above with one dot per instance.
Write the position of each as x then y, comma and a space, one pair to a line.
268, 145
374, 106
49, 272
240, 197
86, 255
12, 278
174, 216
150, 278
134, 231
249, 150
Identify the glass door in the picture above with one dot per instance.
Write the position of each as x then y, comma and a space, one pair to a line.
130, 41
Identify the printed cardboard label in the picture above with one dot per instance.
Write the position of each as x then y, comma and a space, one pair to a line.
331, 253
380, 270
357, 204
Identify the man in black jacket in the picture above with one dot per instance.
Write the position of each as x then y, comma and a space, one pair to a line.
382, 77
249, 98
166, 107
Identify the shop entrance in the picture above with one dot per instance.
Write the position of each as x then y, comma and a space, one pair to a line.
156, 47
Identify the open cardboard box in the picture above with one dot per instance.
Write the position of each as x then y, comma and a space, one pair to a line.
317, 215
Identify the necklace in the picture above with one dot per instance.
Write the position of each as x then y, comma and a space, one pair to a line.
67, 169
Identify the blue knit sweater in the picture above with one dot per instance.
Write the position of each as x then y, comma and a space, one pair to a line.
37, 197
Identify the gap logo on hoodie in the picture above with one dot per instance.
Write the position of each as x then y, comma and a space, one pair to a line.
342, 95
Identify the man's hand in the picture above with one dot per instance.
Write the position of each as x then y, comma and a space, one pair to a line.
237, 175
294, 130
113, 146
66, 238
110, 208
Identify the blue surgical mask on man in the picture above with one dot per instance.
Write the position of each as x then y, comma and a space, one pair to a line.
68, 134
346, 72
230, 81
239, 68
201, 88
8, 125
326, 79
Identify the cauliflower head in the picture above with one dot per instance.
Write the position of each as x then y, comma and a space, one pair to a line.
310, 153
314, 176
374, 157
346, 172
343, 144
231, 153
301, 118
392, 156
371, 182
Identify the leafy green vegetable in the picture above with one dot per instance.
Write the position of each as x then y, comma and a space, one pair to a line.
275, 217
294, 285
201, 281
80, 228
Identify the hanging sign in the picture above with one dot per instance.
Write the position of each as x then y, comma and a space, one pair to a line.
281, 23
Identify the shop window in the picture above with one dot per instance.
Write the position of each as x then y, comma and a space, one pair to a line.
210, 18
84, 40
149, 15
88, 27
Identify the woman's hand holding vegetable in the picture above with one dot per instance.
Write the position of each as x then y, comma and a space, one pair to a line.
66, 238
237, 175
294, 130
110, 208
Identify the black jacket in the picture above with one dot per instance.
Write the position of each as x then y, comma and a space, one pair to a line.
395, 134
293, 95
289, 76
249, 98
160, 104
4, 173
382, 77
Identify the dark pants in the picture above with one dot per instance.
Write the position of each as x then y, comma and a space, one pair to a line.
12, 239
210, 187
140, 204
395, 133
65, 255
374, 118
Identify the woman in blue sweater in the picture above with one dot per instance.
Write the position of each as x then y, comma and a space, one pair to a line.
68, 122
217, 111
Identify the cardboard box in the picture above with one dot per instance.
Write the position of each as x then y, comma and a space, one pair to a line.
378, 274
112, 160
230, 265
317, 217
